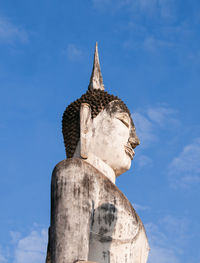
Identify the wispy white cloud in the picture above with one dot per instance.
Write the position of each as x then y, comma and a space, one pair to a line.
144, 128
101, 3
111, 5
15, 236
150, 121
150, 124
158, 114
73, 52
165, 9
176, 226
167, 244
2, 256
152, 43
11, 33
31, 248
155, 235
162, 255
184, 170
143, 160
149, 41
163, 116
22, 249
169, 28
139, 207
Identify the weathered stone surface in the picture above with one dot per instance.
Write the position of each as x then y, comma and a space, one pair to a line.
91, 218
96, 80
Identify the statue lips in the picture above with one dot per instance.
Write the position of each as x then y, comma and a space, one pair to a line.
129, 150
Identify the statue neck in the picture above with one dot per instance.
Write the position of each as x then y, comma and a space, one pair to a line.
101, 166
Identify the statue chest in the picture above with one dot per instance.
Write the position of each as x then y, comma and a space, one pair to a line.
91, 218
115, 229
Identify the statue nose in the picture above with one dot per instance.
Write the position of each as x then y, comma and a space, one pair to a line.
134, 141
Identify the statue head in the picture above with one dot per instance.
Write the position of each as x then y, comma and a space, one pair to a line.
100, 124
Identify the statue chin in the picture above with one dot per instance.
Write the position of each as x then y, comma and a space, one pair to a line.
124, 166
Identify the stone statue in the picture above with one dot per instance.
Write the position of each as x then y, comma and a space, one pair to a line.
91, 219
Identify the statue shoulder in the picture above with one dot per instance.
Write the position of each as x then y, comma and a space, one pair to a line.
73, 166
75, 172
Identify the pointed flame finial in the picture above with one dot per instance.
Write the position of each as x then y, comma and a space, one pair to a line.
96, 80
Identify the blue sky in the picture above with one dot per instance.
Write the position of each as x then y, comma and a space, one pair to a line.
150, 57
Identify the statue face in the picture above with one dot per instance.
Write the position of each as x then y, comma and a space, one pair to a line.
113, 138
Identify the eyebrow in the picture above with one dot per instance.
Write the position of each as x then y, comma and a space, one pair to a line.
121, 114
124, 115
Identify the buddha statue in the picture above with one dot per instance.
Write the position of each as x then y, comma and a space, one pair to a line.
91, 219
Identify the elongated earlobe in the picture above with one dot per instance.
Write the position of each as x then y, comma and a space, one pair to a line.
85, 125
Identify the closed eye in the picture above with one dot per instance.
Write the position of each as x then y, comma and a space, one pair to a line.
124, 121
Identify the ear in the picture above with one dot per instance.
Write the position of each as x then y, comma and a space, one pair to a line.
85, 125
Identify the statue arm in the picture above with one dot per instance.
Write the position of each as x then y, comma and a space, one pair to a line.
71, 212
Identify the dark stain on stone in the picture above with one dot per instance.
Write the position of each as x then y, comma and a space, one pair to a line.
79, 191
116, 106
76, 190
108, 219
110, 187
104, 239
93, 132
104, 255
86, 209
108, 208
86, 184
109, 211
93, 214
108, 256
103, 230
125, 258
99, 219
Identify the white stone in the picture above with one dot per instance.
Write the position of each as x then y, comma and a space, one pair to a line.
92, 219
